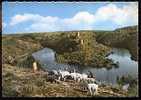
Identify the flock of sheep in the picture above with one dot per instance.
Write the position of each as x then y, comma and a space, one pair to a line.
63, 75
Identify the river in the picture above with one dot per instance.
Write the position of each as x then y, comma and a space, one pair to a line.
127, 66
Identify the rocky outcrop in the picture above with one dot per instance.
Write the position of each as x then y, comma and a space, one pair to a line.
15, 48
81, 48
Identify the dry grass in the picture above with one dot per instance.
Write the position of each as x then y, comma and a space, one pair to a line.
23, 82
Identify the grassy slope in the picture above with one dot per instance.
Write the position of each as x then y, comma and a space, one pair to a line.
23, 82
122, 38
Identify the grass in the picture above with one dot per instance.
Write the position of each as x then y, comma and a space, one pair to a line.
8, 42
19, 82
133, 88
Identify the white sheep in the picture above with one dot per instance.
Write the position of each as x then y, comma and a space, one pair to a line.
82, 76
125, 87
93, 88
91, 80
76, 76
63, 74
79, 77
55, 72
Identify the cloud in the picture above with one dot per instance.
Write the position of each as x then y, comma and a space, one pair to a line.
118, 15
38, 22
20, 18
24, 18
126, 15
49, 23
132, 13
45, 26
81, 17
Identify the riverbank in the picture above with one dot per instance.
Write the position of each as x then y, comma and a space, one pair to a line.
126, 37
87, 48
88, 52
23, 82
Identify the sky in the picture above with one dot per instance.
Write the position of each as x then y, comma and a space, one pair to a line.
23, 17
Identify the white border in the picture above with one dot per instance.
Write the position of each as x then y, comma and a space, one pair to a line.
71, 2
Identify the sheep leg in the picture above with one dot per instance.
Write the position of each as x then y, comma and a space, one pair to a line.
64, 79
59, 78
78, 79
90, 90
96, 91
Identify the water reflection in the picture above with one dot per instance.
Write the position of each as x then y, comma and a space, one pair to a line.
120, 52
126, 66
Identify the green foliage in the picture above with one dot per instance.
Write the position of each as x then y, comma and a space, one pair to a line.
8, 42
133, 87
127, 79
81, 49
121, 38
26, 61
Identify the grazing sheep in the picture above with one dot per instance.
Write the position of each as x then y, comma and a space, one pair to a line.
76, 76
50, 72
84, 76
73, 75
63, 74
125, 87
93, 88
79, 77
91, 80
52, 78
68, 77
90, 75
55, 72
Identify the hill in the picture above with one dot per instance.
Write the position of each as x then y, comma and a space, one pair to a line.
126, 37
